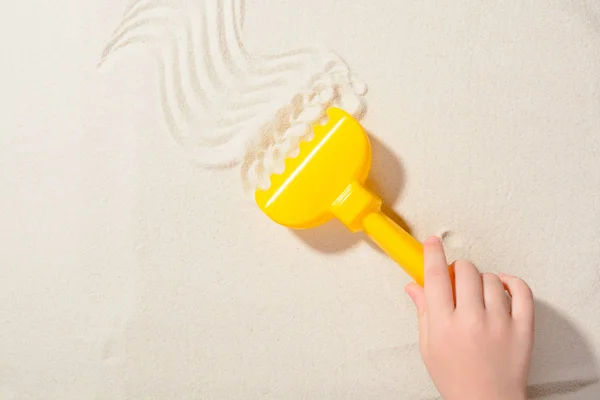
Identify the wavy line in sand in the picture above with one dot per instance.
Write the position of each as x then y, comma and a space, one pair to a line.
223, 105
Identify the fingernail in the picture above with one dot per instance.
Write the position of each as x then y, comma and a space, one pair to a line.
433, 240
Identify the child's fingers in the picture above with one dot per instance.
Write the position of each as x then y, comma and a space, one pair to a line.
494, 295
438, 288
469, 292
522, 304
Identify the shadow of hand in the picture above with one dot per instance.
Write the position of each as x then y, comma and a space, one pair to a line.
563, 361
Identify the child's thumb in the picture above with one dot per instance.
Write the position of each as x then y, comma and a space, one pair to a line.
417, 295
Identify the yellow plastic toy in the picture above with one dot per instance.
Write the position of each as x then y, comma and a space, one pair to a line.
326, 180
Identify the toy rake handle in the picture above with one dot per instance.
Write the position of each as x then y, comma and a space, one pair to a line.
405, 250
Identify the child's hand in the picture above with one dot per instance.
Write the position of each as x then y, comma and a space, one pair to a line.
481, 347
